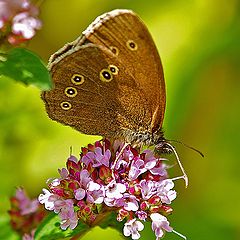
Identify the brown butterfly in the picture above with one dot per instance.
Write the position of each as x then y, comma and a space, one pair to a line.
110, 82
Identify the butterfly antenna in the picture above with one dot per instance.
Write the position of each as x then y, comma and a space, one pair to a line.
185, 177
185, 145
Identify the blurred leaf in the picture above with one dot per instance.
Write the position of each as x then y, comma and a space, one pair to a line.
50, 229
26, 67
110, 221
7, 232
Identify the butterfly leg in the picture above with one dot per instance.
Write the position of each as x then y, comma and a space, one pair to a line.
117, 157
184, 176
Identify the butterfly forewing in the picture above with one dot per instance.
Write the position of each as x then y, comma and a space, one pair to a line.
123, 32
96, 106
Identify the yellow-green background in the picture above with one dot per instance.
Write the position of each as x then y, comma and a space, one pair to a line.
199, 43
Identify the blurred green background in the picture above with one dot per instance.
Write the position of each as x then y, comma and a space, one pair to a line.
199, 44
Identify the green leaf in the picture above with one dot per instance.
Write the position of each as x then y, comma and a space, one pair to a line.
111, 221
26, 67
50, 229
7, 233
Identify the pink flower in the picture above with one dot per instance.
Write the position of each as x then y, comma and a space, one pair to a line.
88, 158
115, 190
164, 191
154, 165
147, 188
63, 173
54, 182
102, 158
98, 158
137, 188
18, 20
80, 193
48, 199
63, 206
142, 215
159, 170
10, 8
25, 25
132, 228
136, 169
70, 220
130, 202
95, 193
26, 205
159, 225
29, 236
125, 159
68, 216
25, 214
150, 160
84, 178
113, 193
73, 159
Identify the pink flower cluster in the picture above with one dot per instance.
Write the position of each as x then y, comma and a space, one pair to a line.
18, 20
137, 188
25, 214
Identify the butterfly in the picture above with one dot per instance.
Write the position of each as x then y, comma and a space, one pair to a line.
110, 82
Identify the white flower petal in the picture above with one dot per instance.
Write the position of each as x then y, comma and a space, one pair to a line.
44, 199
140, 226
169, 184
115, 190
93, 186
172, 195
121, 187
131, 206
156, 217
1, 24
132, 227
136, 235
55, 182
99, 200
126, 231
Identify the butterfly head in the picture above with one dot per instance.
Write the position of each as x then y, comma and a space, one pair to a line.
163, 147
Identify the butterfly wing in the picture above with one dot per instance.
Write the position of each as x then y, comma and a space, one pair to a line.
108, 82
85, 100
123, 32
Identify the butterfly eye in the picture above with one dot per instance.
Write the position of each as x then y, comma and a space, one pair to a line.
114, 50
77, 79
113, 69
71, 91
106, 75
132, 45
66, 105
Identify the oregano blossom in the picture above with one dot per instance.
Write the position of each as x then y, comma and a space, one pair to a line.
107, 178
18, 21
